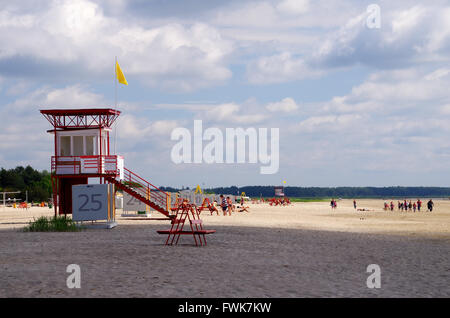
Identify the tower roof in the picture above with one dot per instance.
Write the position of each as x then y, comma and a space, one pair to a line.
81, 118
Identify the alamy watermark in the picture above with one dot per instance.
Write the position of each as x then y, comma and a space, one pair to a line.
374, 279
190, 148
74, 279
373, 20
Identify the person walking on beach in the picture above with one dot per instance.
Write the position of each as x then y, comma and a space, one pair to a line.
419, 205
223, 204
392, 206
230, 206
354, 204
410, 205
333, 204
430, 205
414, 206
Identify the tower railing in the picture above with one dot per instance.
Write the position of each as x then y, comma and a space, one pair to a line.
104, 164
145, 188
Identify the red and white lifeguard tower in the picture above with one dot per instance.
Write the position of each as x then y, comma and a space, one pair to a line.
82, 151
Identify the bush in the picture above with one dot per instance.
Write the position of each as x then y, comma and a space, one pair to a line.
52, 224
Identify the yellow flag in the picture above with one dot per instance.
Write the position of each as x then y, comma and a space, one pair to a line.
119, 74
198, 189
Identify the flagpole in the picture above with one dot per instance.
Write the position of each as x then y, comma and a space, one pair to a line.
115, 102
115, 82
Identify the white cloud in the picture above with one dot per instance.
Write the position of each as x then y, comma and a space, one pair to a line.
247, 14
278, 68
445, 109
329, 123
7, 19
407, 35
223, 112
439, 39
248, 112
284, 13
263, 27
181, 57
293, 7
415, 90
285, 105
439, 73
76, 35
137, 129
393, 123
406, 21
20, 87
26, 108
232, 113
74, 96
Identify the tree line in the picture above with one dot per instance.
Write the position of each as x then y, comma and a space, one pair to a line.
37, 184
39, 187
333, 192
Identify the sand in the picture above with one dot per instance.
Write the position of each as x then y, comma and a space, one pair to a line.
303, 250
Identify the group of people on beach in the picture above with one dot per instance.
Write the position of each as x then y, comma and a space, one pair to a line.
409, 206
227, 205
401, 205
277, 201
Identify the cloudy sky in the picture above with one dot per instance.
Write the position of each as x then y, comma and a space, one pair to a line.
355, 106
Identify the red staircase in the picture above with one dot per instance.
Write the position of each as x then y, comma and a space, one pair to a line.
143, 190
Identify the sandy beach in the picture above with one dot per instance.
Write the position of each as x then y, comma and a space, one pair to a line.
302, 250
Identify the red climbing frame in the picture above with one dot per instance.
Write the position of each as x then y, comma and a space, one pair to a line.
187, 212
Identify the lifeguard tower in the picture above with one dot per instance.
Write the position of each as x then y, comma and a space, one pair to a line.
279, 191
82, 151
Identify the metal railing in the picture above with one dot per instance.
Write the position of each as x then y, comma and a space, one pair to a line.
145, 188
104, 164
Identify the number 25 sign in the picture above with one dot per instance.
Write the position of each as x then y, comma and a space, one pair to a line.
92, 202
